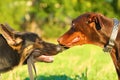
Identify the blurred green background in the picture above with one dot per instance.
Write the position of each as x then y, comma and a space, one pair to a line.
46, 17
50, 19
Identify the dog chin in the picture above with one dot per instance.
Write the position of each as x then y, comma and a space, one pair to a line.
44, 58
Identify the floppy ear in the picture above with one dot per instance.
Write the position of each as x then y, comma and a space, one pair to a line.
9, 34
97, 19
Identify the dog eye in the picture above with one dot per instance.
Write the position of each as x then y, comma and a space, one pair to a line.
73, 24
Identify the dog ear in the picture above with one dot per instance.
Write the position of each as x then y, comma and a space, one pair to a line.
9, 34
96, 18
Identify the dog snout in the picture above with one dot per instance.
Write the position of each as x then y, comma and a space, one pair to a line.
59, 40
61, 44
59, 48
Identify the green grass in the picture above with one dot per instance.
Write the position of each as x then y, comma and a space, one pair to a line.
86, 62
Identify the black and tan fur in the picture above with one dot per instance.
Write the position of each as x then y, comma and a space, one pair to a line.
16, 47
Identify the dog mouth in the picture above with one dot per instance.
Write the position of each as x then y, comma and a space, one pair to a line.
64, 47
46, 55
44, 58
38, 57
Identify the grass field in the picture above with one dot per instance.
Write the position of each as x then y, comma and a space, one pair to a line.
86, 62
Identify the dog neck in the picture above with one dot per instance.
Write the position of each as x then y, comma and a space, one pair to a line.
113, 36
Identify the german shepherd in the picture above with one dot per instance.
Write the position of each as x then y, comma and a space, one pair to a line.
17, 47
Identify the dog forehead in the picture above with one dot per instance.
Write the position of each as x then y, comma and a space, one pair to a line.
80, 21
30, 36
83, 19
84, 16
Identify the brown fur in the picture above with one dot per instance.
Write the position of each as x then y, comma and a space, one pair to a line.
92, 28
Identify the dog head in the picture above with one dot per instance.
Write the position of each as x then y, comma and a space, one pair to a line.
89, 28
27, 43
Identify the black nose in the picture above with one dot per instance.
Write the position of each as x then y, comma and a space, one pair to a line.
59, 48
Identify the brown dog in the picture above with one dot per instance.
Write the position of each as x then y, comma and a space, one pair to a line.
95, 28
18, 47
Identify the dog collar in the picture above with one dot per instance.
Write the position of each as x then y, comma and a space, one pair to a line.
113, 36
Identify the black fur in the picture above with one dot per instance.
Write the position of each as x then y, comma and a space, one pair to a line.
8, 57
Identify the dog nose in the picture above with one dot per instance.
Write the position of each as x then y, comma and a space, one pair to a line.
59, 40
59, 48
61, 44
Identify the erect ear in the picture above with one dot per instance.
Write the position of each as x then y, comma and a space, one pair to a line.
9, 34
96, 18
